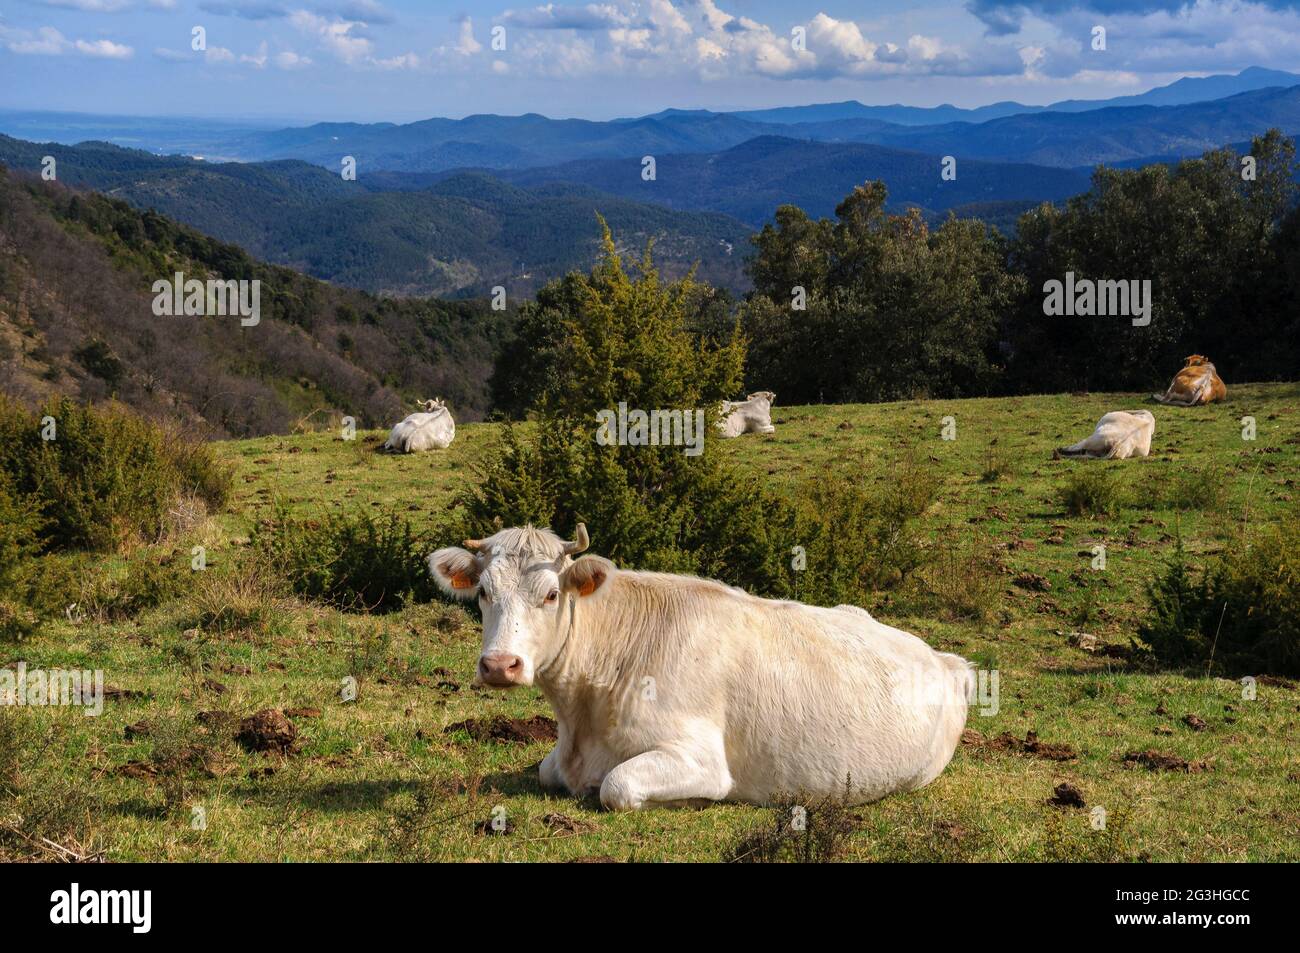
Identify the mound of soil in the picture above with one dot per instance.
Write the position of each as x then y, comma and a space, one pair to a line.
268, 730
1067, 795
503, 729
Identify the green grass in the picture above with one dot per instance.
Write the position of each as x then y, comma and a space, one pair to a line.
379, 778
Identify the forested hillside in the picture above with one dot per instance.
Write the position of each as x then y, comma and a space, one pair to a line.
454, 238
76, 317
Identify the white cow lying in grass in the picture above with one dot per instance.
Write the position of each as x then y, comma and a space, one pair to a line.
751, 415
1119, 435
673, 689
433, 429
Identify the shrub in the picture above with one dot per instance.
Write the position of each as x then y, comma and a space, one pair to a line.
149, 580
804, 830
964, 582
240, 602
1091, 491
997, 464
1240, 615
1197, 488
45, 811
354, 561
108, 478
17, 622
21, 524
858, 540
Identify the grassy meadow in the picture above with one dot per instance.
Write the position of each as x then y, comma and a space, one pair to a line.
382, 778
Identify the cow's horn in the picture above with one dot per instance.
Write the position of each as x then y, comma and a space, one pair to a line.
473, 544
578, 545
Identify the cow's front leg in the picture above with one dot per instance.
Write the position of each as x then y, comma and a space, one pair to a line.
548, 772
663, 777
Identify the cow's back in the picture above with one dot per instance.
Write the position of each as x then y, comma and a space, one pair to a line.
829, 700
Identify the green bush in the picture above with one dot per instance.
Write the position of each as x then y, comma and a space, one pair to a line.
21, 524
17, 622
1239, 615
108, 478
1091, 491
354, 561
245, 601
1196, 488
146, 583
856, 540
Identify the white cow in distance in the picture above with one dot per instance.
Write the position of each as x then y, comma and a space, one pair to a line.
751, 415
1119, 435
433, 429
672, 689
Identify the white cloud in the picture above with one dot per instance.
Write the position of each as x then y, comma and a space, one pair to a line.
404, 61
47, 41
670, 38
104, 48
465, 44
341, 38
288, 59
107, 6
256, 60
90, 6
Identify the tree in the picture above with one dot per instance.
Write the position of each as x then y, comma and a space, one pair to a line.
1200, 232
891, 308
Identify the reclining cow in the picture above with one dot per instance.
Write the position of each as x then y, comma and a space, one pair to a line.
1197, 383
751, 415
433, 429
1119, 435
672, 689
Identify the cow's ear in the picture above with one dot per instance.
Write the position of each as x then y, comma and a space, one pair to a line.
455, 570
587, 575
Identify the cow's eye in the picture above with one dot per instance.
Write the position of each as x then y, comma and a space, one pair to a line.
553, 595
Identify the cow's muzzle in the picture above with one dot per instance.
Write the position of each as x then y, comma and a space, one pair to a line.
500, 669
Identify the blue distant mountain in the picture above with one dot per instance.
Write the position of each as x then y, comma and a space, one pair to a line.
750, 180
1178, 93
1183, 118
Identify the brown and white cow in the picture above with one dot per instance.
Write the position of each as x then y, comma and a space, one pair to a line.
751, 415
672, 689
1197, 383
432, 429
1120, 434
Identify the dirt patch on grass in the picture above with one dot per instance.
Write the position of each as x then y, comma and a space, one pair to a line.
1154, 760
1029, 745
502, 729
562, 825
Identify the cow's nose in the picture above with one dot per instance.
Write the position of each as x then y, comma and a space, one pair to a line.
500, 669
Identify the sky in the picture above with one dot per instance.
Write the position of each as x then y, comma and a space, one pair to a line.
401, 60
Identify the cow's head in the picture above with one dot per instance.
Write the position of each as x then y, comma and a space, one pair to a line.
766, 395
1195, 360
431, 406
525, 581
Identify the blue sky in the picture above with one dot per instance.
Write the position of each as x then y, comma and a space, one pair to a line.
408, 59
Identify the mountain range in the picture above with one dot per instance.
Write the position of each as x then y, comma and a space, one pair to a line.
457, 237
1170, 120
456, 207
